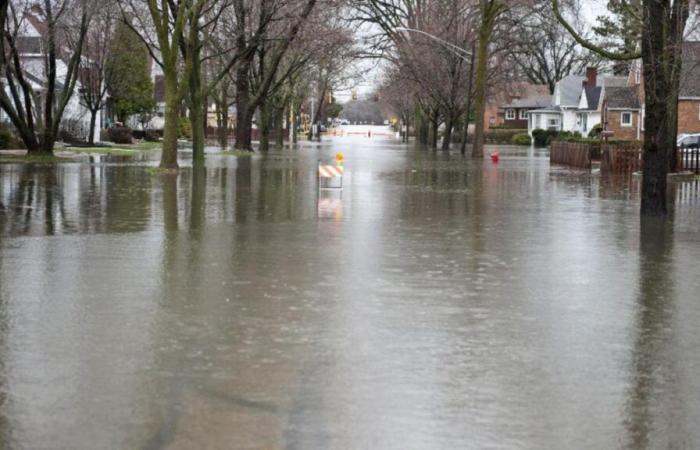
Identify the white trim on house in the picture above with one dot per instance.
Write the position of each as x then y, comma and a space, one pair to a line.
510, 114
523, 114
624, 123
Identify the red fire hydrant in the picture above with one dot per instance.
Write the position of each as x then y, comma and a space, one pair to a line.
495, 156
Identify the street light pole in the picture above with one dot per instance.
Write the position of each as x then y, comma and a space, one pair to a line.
459, 51
465, 135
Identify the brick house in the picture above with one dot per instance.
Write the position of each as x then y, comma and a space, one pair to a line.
495, 114
622, 111
514, 114
624, 107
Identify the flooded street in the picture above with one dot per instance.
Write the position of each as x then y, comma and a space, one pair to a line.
434, 302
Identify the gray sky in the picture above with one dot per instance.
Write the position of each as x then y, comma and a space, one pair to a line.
590, 9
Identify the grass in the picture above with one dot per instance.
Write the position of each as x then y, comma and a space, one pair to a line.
14, 158
237, 153
117, 149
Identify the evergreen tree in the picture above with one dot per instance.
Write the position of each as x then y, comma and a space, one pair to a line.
128, 75
621, 30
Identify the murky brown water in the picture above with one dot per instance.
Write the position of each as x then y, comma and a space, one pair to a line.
435, 303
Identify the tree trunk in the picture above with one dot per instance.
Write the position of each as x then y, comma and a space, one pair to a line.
198, 117
168, 157
93, 121
295, 131
48, 139
279, 126
264, 126
447, 138
244, 118
434, 131
661, 62
421, 127
489, 12
198, 121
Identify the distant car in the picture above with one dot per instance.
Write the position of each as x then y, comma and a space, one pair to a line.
689, 141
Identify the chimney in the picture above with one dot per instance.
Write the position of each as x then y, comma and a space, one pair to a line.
591, 77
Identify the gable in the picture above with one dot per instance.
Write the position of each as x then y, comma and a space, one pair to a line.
583, 102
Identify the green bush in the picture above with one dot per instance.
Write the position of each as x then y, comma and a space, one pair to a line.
543, 138
184, 128
501, 136
540, 137
596, 131
6, 137
521, 139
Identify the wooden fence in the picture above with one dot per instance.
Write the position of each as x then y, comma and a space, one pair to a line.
572, 154
616, 158
621, 158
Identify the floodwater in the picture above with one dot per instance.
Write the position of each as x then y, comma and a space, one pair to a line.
434, 302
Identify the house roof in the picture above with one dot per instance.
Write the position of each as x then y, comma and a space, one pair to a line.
623, 97
593, 96
690, 70
570, 89
536, 101
547, 109
612, 81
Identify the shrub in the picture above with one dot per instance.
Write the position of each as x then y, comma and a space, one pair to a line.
543, 138
120, 135
7, 138
540, 137
73, 131
151, 136
521, 139
500, 136
185, 128
596, 131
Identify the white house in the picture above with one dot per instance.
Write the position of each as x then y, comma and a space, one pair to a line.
29, 45
576, 106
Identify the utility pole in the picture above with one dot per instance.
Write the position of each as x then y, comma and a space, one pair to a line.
465, 135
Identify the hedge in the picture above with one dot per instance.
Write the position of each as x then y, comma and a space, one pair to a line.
521, 139
120, 135
498, 136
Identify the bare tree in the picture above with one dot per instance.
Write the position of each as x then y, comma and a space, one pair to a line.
265, 15
94, 65
544, 51
35, 112
663, 28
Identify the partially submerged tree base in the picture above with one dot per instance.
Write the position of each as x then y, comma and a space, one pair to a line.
663, 28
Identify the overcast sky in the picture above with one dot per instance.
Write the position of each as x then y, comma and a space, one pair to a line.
590, 9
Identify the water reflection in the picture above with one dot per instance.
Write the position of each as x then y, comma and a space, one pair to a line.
434, 302
654, 394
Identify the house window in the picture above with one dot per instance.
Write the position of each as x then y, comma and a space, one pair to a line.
523, 114
553, 124
626, 119
510, 114
582, 122
538, 121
